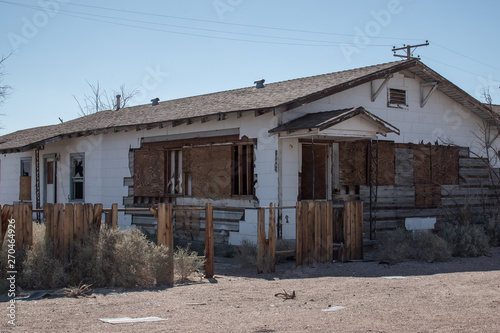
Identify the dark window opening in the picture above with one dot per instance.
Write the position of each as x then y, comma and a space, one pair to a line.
77, 176
243, 170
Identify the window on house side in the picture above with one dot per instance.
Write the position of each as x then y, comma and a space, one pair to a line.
174, 158
397, 98
26, 166
77, 179
243, 176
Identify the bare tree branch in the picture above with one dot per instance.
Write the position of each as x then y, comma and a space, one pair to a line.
100, 100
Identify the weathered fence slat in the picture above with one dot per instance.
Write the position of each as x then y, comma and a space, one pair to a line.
261, 239
68, 226
166, 237
114, 216
78, 223
96, 221
208, 267
298, 233
272, 238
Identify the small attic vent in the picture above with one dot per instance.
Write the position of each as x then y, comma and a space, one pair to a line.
396, 98
259, 83
155, 101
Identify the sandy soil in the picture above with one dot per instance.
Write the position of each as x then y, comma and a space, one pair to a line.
462, 295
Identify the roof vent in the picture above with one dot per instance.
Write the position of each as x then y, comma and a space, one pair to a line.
118, 97
155, 101
259, 83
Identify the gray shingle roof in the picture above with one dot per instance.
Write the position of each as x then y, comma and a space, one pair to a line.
326, 119
280, 95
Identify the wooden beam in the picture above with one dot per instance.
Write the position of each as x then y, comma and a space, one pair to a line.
262, 111
423, 100
221, 116
239, 114
204, 119
379, 89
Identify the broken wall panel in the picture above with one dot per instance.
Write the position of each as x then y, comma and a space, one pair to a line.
403, 167
353, 163
149, 173
427, 195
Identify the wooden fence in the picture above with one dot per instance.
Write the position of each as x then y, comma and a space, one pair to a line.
70, 224
322, 227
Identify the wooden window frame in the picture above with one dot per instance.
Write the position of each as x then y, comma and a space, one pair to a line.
242, 178
395, 101
73, 179
174, 173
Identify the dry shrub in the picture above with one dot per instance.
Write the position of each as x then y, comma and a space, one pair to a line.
40, 269
186, 262
246, 254
117, 258
465, 240
401, 245
493, 230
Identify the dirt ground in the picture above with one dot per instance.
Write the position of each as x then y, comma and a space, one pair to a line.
462, 295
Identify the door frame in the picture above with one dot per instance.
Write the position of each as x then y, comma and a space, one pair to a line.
46, 157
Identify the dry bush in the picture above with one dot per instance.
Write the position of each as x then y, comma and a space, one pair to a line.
493, 230
186, 262
40, 268
401, 245
246, 254
465, 240
116, 258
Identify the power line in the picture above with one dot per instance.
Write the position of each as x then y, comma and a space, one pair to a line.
202, 20
465, 56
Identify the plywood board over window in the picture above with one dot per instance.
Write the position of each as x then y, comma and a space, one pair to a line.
422, 164
353, 163
149, 173
444, 165
386, 167
210, 171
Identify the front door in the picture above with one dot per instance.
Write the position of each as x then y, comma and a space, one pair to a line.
49, 179
314, 175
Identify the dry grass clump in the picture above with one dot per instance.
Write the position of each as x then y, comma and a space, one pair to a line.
186, 262
401, 245
246, 254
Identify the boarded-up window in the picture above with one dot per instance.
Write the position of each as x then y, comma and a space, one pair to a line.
435, 165
386, 173
209, 169
313, 184
353, 163
242, 170
422, 164
149, 173
444, 165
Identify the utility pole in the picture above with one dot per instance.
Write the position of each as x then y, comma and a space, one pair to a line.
409, 51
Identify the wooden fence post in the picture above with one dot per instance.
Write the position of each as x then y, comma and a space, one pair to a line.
298, 233
18, 218
58, 227
272, 237
209, 242
261, 240
48, 212
114, 216
329, 231
165, 231
78, 222
97, 218
69, 226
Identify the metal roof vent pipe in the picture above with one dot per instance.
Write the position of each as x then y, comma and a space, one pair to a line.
155, 101
118, 97
259, 83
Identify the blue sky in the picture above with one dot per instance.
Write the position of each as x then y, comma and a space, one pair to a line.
172, 49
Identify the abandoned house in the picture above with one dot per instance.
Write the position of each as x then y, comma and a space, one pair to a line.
398, 136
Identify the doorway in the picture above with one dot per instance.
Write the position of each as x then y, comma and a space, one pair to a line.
314, 178
49, 179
